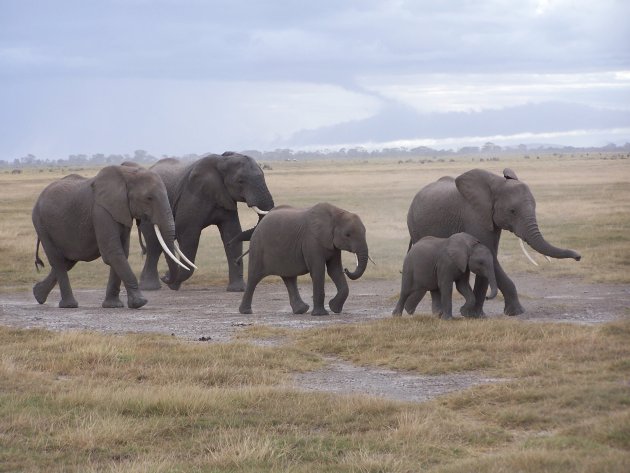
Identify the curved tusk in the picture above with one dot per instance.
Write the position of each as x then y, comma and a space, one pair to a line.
258, 211
165, 248
179, 251
526, 253
548, 258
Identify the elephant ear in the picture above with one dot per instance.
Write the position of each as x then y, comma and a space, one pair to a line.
321, 221
476, 186
111, 192
205, 182
509, 174
459, 248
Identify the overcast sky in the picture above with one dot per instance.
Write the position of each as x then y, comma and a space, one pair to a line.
193, 76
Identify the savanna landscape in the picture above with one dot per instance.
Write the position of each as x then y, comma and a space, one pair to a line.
187, 383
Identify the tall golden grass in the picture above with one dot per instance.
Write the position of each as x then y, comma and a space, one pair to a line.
583, 203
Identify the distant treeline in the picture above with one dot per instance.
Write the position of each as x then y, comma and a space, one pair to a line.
144, 157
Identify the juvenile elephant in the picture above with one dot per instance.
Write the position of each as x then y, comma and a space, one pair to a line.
80, 219
433, 264
290, 242
201, 194
482, 204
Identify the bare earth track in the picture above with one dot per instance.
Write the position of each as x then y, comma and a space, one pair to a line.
212, 314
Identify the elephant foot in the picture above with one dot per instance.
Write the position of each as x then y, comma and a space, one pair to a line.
320, 311
136, 302
513, 309
70, 303
112, 303
300, 308
150, 284
245, 310
174, 286
40, 293
472, 311
446, 316
336, 305
396, 313
236, 286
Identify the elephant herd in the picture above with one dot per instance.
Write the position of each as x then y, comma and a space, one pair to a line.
454, 224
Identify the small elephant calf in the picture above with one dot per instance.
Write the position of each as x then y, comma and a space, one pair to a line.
290, 242
433, 264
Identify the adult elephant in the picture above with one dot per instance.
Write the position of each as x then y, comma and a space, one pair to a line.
201, 194
80, 219
482, 204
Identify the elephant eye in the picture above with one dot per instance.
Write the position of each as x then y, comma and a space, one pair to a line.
513, 211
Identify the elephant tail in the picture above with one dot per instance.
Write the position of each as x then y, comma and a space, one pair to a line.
238, 260
142, 245
38, 261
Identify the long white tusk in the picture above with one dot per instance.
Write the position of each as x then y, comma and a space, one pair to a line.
258, 211
165, 248
179, 251
526, 253
548, 258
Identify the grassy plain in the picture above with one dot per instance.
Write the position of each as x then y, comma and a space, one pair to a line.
138, 403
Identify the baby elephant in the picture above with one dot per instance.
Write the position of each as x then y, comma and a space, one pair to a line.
432, 264
290, 242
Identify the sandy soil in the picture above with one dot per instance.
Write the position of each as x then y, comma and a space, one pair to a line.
212, 315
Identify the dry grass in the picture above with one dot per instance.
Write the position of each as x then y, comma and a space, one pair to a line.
582, 204
92, 402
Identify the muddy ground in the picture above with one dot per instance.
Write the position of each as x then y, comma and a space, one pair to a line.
212, 314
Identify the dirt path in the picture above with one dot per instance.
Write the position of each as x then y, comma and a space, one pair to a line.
213, 314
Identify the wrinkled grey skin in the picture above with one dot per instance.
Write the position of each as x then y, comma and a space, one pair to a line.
290, 242
433, 264
482, 204
205, 193
79, 219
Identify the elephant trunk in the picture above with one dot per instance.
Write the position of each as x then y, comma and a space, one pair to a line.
362, 259
259, 198
534, 238
165, 229
492, 281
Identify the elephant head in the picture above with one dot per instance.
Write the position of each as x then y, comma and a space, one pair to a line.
339, 229
469, 253
132, 192
507, 203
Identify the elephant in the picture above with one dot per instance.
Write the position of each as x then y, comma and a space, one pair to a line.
482, 204
201, 194
433, 264
80, 219
290, 242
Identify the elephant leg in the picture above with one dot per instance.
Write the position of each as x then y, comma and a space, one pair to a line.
446, 297
297, 304
318, 276
230, 229
150, 278
463, 287
112, 293
335, 271
188, 239
413, 300
508, 289
253, 279
436, 302
406, 290
58, 273
43, 288
481, 287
